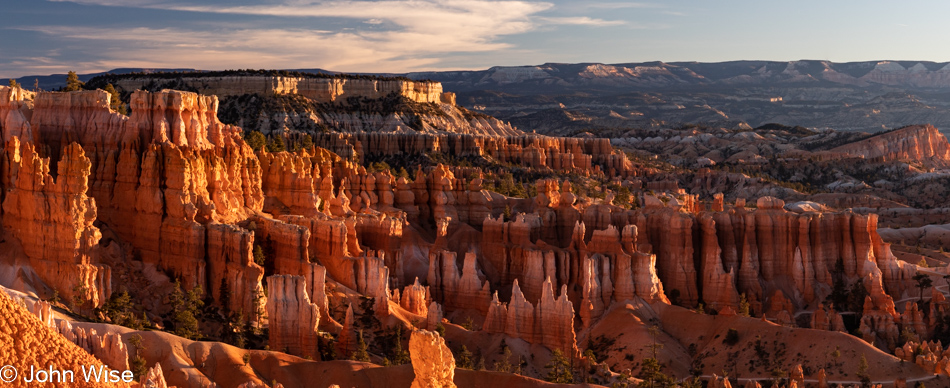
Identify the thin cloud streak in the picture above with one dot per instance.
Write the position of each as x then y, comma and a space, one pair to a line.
583, 21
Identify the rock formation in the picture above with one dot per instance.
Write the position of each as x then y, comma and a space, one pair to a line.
53, 219
26, 341
916, 143
154, 378
108, 348
432, 361
293, 320
540, 152
171, 192
314, 87
550, 323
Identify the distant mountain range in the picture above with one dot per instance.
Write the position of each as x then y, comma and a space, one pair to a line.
566, 99
570, 98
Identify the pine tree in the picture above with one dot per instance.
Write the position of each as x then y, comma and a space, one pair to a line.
743, 305
255, 140
863, 372
276, 144
923, 282
465, 359
138, 362
622, 198
650, 369
259, 257
305, 142
362, 351
504, 365
559, 369
652, 376
115, 100
224, 296
400, 356
72, 82
185, 307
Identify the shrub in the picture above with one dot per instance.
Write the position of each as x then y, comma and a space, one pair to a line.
732, 337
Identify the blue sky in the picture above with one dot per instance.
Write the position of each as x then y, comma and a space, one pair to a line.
44, 37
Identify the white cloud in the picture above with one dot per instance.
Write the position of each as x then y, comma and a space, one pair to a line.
583, 21
417, 33
375, 36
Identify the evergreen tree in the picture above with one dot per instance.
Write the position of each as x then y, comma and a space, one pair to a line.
13, 83
504, 365
224, 296
115, 100
863, 372
138, 362
184, 314
303, 143
650, 370
923, 282
743, 305
259, 257
559, 369
652, 376
361, 353
622, 198
119, 311
465, 359
400, 356
255, 140
276, 144
72, 82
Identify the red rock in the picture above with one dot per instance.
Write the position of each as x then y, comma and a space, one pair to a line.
292, 318
415, 299
230, 260
432, 361
917, 143
53, 220
780, 308
433, 316
347, 340
454, 290
549, 323
154, 378
13, 121
718, 286
108, 347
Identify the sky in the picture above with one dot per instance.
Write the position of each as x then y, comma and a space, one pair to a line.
40, 37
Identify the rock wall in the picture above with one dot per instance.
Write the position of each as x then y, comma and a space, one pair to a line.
292, 318
592, 156
231, 267
53, 220
917, 143
317, 89
549, 323
159, 176
454, 290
